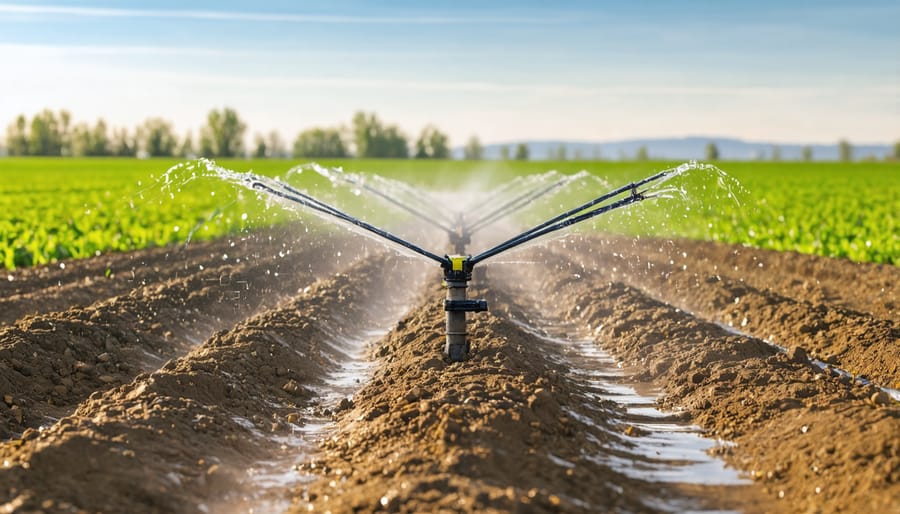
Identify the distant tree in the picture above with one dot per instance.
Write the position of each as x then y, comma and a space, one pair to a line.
123, 144
275, 145
504, 152
776, 153
432, 144
896, 155
46, 134
473, 150
845, 150
186, 150
578, 155
320, 143
156, 138
81, 140
223, 135
395, 144
65, 123
807, 153
521, 152
375, 140
17, 137
261, 149
90, 142
712, 151
642, 154
597, 154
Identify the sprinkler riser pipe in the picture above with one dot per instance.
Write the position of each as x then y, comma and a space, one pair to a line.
457, 347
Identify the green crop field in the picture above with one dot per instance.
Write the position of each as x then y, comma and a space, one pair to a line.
54, 209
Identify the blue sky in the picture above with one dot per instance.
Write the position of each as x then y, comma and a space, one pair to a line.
789, 71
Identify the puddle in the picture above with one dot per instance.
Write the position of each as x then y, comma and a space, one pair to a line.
659, 446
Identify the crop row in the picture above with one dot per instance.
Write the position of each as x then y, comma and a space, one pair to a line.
55, 209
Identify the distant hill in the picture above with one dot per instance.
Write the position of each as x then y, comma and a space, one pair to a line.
680, 148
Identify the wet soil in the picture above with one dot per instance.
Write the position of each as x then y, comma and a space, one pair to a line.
160, 393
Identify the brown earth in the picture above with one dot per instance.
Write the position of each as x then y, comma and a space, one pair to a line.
158, 392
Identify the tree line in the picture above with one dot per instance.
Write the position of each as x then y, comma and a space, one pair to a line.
51, 133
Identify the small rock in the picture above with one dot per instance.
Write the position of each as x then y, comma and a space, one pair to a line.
106, 379
8, 399
293, 418
291, 386
17, 413
798, 354
346, 403
280, 372
413, 395
104, 357
433, 363
697, 378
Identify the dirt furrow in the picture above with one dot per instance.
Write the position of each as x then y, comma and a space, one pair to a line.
178, 439
858, 342
83, 282
51, 362
815, 440
505, 431
818, 280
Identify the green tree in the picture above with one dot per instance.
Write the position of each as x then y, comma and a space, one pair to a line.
320, 143
275, 145
156, 138
261, 149
65, 136
432, 144
642, 154
375, 140
45, 136
807, 153
845, 150
186, 150
90, 142
223, 135
776, 153
896, 155
504, 153
712, 151
123, 144
17, 137
521, 152
473, 150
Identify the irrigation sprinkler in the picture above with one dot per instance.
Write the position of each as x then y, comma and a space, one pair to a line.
457, 268
461, 231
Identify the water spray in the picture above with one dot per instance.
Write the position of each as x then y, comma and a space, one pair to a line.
457, 268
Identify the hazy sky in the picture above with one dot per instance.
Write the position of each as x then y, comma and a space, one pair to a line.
790, 71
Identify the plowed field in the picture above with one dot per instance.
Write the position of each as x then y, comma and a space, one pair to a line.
610, 374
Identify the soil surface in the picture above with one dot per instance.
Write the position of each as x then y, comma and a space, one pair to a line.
182, 380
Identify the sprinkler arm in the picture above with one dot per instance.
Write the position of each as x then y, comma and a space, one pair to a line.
291, 194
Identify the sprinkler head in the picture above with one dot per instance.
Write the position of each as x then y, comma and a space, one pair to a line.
457, 274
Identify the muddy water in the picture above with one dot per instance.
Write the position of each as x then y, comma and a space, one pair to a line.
647, 444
